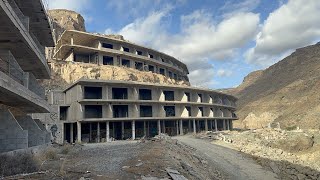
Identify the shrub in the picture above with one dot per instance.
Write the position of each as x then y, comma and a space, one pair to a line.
18, 164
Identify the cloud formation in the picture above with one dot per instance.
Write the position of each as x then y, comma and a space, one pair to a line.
199, 42
293, 25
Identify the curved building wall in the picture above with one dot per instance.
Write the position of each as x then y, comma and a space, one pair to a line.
84, 47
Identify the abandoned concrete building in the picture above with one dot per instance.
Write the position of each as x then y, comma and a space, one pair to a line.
24, 31
104, 110
83, 47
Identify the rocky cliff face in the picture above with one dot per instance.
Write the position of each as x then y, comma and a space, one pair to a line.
286, 93
65, 20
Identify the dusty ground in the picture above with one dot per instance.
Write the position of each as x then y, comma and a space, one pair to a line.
125, 160
290, 154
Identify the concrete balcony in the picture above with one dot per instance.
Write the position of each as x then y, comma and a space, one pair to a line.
24, 19
19, 89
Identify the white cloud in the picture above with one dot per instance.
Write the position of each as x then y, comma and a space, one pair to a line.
75, 5
200, 41
230, 7
293, 25
224, 73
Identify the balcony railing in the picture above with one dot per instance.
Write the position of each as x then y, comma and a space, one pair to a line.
40, 46
24, 19
9, 66
34, 86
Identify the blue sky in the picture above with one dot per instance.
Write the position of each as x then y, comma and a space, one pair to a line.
220, 41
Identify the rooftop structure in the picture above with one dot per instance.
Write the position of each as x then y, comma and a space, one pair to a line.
83, 47
102, 110
25, 31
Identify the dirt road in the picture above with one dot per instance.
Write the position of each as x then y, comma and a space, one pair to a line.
230, 162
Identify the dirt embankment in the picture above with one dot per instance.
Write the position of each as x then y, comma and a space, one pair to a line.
290, 154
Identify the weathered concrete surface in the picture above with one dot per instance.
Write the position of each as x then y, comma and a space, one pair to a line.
12, 136
232, 163
36, 136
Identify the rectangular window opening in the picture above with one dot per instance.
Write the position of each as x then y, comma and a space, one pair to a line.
145, 94
170, 111
120, 111
93, 111
107, 60
119, 93
92, 92
126, 63
106, 45
168, 95
145, 111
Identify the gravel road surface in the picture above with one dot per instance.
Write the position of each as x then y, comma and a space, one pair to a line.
230, 162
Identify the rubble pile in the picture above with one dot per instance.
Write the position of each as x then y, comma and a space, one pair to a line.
290, 154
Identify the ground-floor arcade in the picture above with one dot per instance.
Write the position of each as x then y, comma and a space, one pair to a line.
105, 131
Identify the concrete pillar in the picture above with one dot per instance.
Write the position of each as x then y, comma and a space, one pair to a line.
189, 125
224, 124
198, 125
122, 130
79, 131
216, 125
181, 127
228, 125
98, 132
108, 131
71, 40
206, 124
90, 132
194, 126
163, 126
144, 128
133, 125
159, 127
177, 127
148, 129
71, 132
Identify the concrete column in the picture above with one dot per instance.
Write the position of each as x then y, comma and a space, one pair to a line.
79, 131
177, 127
228, 125
90, 132
198, 125
122, 130
71, 132
108, 131
181, 127
98, 132
148, 129
144, 128
159, 127
194, 126
163, 126
133, 124
189, 125
216, 125
224, 124
206, 124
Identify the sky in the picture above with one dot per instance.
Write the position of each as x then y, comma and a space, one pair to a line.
221, 41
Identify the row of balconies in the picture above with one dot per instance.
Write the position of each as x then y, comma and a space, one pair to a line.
10, 67
128, 63
25, 21
130, 50
146, 111
143, 93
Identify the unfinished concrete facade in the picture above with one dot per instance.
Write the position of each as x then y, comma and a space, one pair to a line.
83, 47
101, 110
24, 32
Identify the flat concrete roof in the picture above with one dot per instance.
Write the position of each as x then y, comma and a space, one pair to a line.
40, 24
15, 37
85, 38
83, 81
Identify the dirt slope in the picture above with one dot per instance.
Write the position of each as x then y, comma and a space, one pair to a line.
286, 93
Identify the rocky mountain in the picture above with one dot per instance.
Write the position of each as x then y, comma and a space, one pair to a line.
285, 94
63, 19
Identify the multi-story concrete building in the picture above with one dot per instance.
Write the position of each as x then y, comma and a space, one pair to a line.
24, 31
83, 47
100, 110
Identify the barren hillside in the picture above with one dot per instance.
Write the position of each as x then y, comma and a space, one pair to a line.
286, 92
